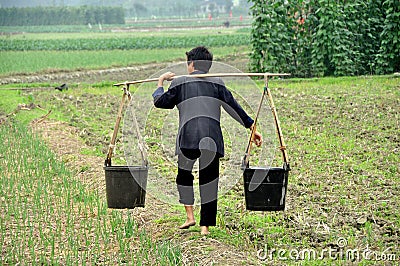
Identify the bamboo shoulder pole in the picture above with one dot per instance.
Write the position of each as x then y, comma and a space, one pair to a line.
208, 75
265, 75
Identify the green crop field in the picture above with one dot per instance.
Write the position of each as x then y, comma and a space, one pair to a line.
29, 53
150, 42
343, 192
24, 62
50, 217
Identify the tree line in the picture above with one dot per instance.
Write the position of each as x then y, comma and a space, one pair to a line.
32, 16
324, 37
144, 9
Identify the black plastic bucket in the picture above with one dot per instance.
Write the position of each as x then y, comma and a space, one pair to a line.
265, 188
126, 186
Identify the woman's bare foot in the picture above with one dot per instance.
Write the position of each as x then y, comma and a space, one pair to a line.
204, 230
187, 224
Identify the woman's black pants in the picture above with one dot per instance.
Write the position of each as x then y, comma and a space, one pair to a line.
208, 182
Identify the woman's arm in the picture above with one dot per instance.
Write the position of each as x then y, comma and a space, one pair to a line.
233, 108
164, 100
257, 137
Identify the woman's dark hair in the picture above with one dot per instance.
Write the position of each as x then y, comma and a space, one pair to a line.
201, 58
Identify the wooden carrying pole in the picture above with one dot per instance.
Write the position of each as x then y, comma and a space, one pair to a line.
265, 75
209, 75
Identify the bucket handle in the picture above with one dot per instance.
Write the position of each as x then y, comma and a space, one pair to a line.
246, 158
125, 95
277, 126
141, 145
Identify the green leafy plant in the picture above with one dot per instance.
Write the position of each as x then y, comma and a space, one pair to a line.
324, 37
388, 58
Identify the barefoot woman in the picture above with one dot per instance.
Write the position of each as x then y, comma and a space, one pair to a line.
199, 102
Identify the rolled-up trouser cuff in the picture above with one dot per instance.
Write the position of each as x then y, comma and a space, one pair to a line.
186, 195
